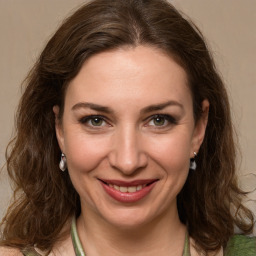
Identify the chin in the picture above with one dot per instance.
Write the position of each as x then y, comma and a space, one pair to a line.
129, 218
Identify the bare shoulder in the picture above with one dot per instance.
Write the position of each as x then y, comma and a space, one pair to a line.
8, 251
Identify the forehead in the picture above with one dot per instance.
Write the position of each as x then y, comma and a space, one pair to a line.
130, 74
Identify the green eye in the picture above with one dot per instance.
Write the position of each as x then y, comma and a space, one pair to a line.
162, 121
96, 121
159, 121
93, 121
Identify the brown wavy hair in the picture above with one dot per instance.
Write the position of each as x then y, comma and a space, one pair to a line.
210, 203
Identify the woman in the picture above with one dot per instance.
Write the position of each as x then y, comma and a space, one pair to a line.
126, 101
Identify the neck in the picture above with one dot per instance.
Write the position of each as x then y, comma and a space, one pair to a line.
162, 236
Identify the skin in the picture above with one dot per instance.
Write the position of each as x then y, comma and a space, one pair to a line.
129, 143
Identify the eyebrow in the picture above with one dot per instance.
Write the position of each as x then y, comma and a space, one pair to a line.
145, 110
92, 106
161, 106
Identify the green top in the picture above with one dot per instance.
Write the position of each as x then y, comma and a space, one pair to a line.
238, 245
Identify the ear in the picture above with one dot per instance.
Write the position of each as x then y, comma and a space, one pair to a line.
200, 128
58, 128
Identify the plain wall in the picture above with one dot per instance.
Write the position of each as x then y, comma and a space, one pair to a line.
229, 27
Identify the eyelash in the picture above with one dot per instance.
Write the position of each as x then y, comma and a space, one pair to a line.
167, 118
86, 119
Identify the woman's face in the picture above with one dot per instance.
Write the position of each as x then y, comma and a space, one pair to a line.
128, 134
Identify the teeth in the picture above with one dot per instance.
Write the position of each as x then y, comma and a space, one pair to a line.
116, 187
123, 189
131, 189
139, 187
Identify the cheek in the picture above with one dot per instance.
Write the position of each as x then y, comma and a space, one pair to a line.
84, 153
173, 156
172, 152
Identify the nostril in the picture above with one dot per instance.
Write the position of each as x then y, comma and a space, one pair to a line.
127, 159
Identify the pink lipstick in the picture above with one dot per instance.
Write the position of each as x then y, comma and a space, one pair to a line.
128, 192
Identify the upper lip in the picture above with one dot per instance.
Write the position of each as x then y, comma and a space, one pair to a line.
128, 183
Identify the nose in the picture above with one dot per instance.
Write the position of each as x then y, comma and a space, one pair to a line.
128, 154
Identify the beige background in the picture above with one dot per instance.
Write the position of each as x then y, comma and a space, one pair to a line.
229, 26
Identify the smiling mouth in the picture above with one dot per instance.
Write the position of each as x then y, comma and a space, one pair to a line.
128, 187
128, 192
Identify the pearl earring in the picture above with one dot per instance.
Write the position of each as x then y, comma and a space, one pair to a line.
63, 162
193, 162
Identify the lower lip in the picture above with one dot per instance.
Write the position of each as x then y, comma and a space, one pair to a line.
128, 197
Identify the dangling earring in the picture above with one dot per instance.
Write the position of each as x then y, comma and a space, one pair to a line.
193, 162
63, 162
